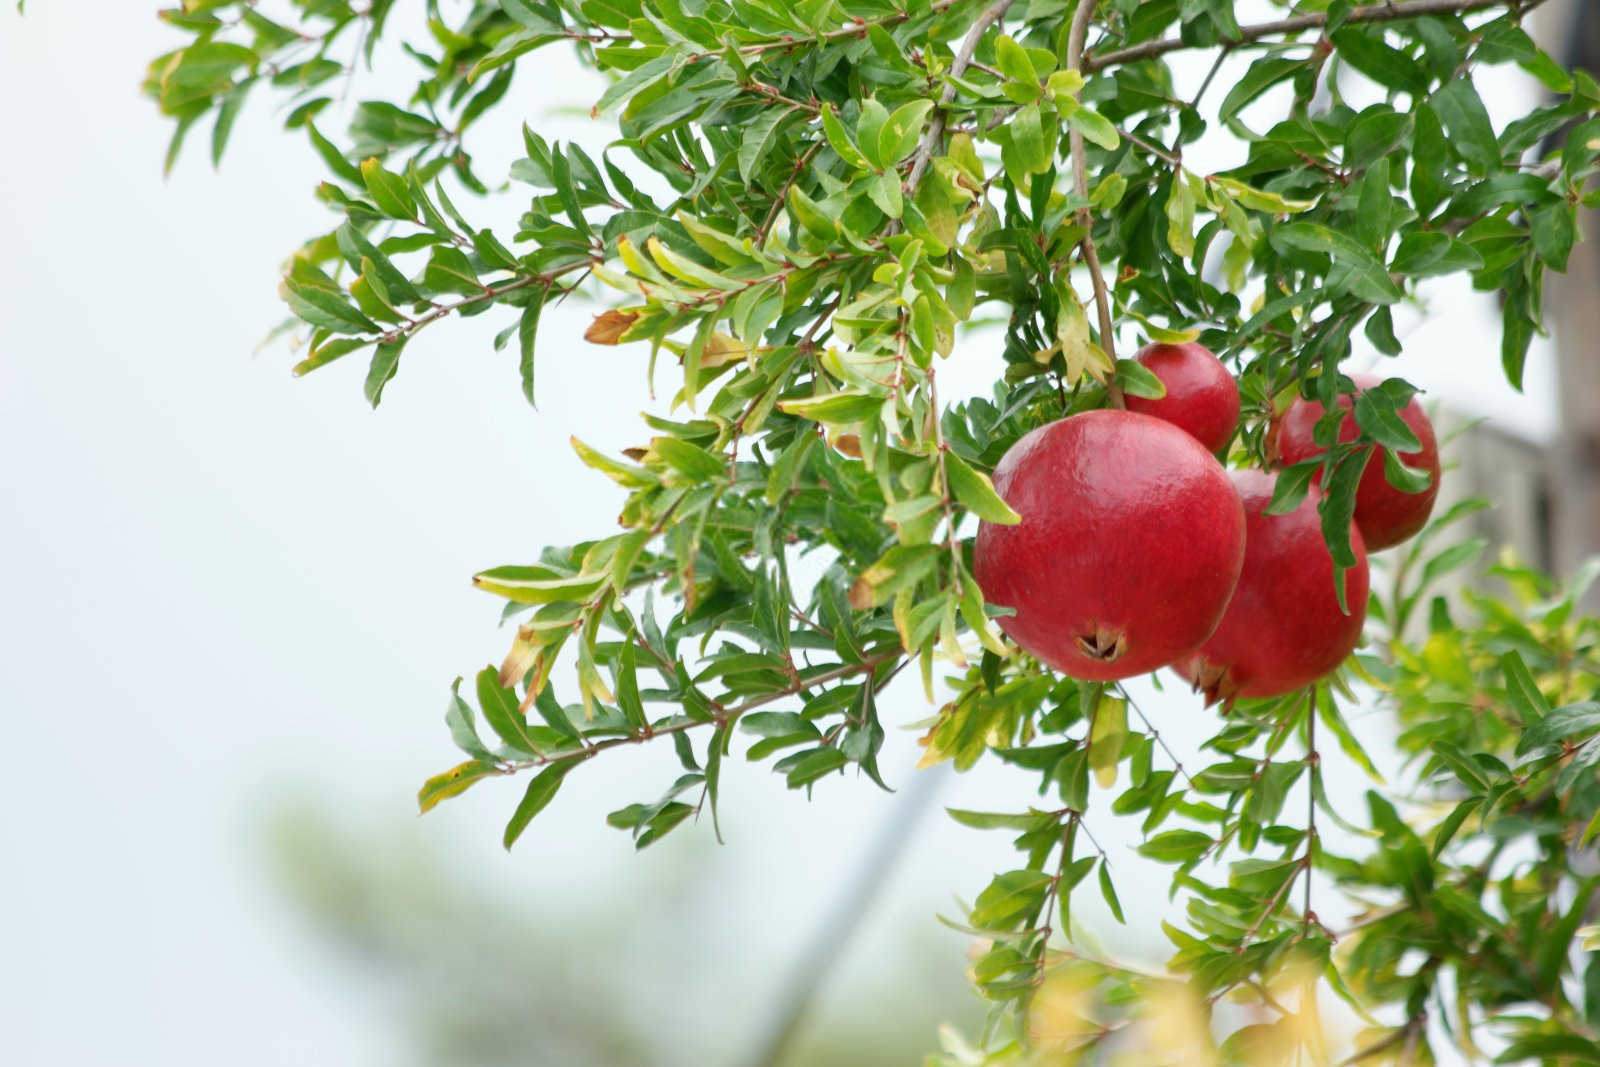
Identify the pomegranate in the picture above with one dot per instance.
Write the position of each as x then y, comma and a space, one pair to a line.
1130, 543
1202, 396
1283, 628
1386, 515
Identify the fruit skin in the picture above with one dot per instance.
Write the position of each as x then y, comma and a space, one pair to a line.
1385, 514
1130, 543
1283, 628
1202, 396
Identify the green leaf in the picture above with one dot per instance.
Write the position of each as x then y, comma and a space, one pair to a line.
1375, 134
1095, 127
320, 305
1380, 331
976, 492
1176, 846
984, 820
1030, 150
458, 716
1404, 478
1374, 207
692, 461
1291, 486
1526, 699
1462, 765
1517, 328
1378, 418
541, 790
1138, 380
839, 139
1565, 723
1451, 558
756, 143
527, 330
333, 157
1337, 509
358, 251
1328, 712
1367, 278
1180, 218
841, 409
388, 191
1554, 230
1580, 1050
501, 712
884, 190
385, 360
1109, 892
227, 112
902, 131
1463, 115
811, 216
869, 129
1009, 897
449, 271
636, 80
815, 764
1013, 61
1262, 75
1388, 66
1427, 252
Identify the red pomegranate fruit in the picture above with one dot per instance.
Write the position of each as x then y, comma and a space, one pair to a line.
1385, 514
1283, 628
1131, 540
1202, 396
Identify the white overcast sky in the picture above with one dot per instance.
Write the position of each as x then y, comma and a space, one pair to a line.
220, 586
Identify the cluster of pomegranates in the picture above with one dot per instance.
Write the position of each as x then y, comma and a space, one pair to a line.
1138, 550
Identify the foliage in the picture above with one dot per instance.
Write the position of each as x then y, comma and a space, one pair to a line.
463, 975
804, 203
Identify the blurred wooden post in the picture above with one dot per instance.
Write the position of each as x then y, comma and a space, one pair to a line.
1570, 30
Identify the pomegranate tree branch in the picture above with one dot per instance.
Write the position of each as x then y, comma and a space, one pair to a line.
935, 132
490, 292
1405, 1033
1080, 183
857, 28
723, 717
1385, 12
1313, 772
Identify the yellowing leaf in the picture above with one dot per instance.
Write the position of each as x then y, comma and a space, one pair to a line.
1081, 355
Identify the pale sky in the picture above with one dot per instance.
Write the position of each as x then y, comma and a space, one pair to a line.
220, 586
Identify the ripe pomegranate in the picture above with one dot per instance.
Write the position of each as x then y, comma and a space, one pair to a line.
1385, 514
1130, 543
1202, 396
1283, 628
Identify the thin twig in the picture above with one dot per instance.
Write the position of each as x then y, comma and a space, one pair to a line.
1173, 756
932, 136
1080, 181
1154, 149
1386, 12
857, 29
729, 715
1047, 910
1407, 1032
783, 194
490, 292
1313, 771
